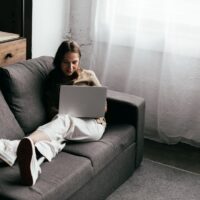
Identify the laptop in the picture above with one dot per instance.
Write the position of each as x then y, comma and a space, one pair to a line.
82, 101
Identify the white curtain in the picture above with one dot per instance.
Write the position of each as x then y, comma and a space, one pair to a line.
151, 48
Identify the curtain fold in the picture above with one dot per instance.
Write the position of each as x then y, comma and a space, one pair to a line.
152, 49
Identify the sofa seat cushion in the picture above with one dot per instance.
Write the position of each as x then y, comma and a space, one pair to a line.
22, 86
9, 127
60, 178
116, 139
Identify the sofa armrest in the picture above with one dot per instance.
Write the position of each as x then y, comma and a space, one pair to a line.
126, 108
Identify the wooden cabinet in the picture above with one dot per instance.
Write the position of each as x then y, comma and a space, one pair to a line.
16, 17
12, 51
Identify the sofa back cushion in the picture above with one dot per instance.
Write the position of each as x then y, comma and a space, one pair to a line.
22, 86
9, 127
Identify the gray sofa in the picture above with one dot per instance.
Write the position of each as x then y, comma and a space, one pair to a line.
86, 171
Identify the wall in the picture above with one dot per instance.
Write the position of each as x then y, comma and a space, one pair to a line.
50, 25
53, 20
80, 19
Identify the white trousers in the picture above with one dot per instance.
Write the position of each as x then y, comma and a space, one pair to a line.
60, 129
64, 127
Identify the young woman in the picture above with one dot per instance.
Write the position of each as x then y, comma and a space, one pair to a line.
49, 139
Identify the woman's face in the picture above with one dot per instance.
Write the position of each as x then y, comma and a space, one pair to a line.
70, 63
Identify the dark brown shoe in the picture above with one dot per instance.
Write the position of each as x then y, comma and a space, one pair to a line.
28, 165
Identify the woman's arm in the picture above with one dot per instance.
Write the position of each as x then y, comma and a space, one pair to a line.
51, 97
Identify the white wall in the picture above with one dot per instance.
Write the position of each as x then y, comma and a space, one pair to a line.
50, 25
80, 18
